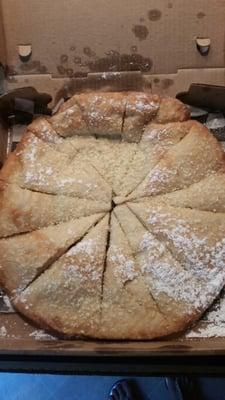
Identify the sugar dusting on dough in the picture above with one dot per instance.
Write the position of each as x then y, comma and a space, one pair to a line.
124, 266
165, 275
159, 175
87, 247
196, 285
176, 281
198, 253
3, 331
213, 322
86, 251
39, 334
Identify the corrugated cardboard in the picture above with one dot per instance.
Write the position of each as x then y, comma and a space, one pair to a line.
71, 42
2, 40
72, 38
95, 35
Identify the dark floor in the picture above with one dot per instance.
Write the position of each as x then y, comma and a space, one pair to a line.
59, 387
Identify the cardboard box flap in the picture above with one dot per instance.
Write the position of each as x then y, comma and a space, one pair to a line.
2, 40
76, 37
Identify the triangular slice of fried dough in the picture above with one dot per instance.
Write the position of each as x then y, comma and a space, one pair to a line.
67, 297
22, 210
123, 156
140, 109
128, 310
111, 158
36, 166
103, 112
81, 179
24, 257
195, 238
33, 161
171, 110
69, 122
155, 142
42, 128
192, 159
178, 294
206, 195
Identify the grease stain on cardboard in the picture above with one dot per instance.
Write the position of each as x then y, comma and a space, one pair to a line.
77, 60
166, 83
154, 14
112, 53
133, 49
140, 31
156, 80
64, 58
112, 62
61, 70
88, 52
121, 62
34, 65
200, 15
163, 83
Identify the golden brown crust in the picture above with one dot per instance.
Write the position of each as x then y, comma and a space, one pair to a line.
37, 166
103, 112
126, 112
42, 128
140, 108
71, 301
24, 210
69, 122
171, 110
195, 157
206, 195
154, 260
122, 114
126, 296
37, 250
146, 286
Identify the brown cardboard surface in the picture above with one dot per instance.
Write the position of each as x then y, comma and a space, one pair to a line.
165, 84
98, 35
72, 38
3, 143
18, 336
2, 39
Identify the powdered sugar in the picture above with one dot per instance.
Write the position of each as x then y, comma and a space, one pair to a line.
124, 266
159, 175
217, 312
143, 104
207, 331
87, 251
165, 275
176, 284
197, 285
87, 246
31, 155
38, 174
213, 322
88, 273
205, 260
3, 331
41, 335
152, 134
150, 243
